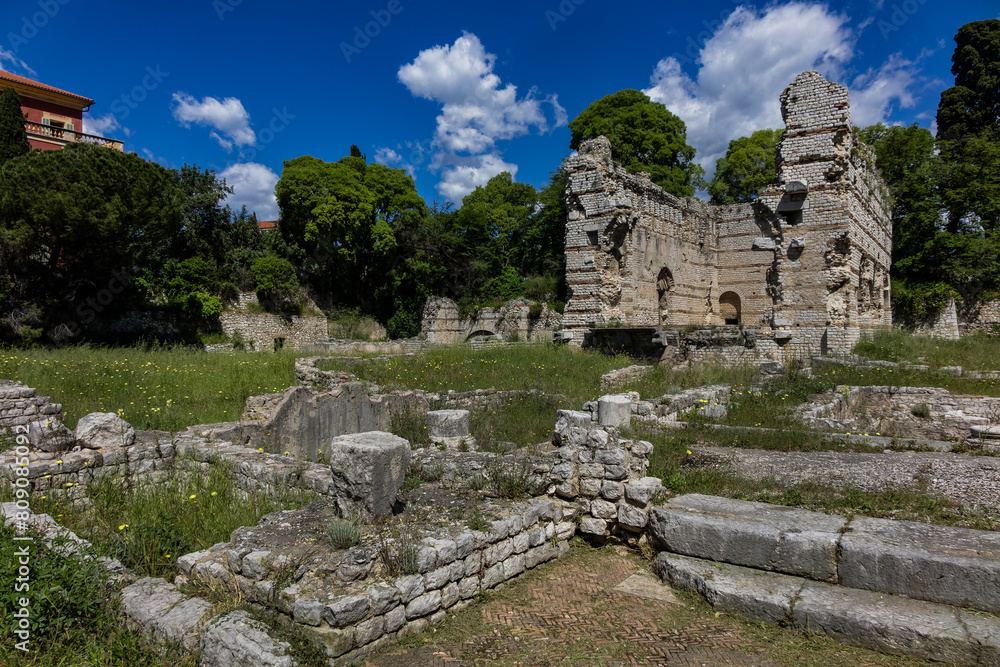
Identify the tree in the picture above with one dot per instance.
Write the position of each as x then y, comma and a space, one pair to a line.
77, 222
907, 160
13, 136
973, 103
544, 259
746, 168
645, 136
339, 220
969, 131
492, 223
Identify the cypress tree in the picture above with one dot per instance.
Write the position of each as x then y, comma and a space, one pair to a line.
13, 136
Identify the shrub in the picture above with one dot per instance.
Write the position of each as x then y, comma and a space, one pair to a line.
921, 410
343, 533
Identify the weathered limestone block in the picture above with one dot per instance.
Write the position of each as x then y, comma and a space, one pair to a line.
104, 430
614, 410
50, 435
766, 537
236, 640
155, 607
449, 427
368, 470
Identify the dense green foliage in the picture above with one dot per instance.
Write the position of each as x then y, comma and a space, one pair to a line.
645, 136
746, 168
13, 136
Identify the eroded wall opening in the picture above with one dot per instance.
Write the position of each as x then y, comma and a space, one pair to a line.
729, 308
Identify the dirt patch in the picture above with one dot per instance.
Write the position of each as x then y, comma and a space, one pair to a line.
570, 612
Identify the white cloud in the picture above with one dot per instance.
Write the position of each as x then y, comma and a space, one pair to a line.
753, 56
229, 121
391, 158
11, 58
462, 176
102, 126
253, 185
874, 92
477, 111
387, 156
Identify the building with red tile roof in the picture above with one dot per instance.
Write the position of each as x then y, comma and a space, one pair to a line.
54, 116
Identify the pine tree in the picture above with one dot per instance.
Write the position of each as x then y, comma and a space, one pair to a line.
13, 136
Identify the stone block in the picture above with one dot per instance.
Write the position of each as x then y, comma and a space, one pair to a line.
235, 640
762, 595
614, 410
50, 435
632, 518
766, 537
566, 419
368, 470
448, 426
888, 623
956, 566
155, 607
592, 526
104, 430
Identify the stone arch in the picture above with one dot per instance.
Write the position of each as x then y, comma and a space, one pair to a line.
664, 290
730, 308
481, 333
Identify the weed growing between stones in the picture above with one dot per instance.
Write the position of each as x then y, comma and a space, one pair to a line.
343, 533
510, 477
396, 546
411, 425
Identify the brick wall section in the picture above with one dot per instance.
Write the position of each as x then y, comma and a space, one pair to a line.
811, 281
262, 330
19, 405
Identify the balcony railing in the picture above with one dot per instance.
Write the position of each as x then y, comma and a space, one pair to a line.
65, 136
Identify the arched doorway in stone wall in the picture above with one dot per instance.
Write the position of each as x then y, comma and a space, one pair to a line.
664, 288
729, 308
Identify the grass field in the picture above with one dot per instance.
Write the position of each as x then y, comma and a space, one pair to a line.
159, 389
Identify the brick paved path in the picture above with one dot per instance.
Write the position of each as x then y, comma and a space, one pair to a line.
572, 614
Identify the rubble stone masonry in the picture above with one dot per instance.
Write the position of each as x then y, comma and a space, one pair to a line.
806, 264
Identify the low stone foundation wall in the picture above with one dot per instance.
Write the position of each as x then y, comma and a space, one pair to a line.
156, 454
20, 406
922, 412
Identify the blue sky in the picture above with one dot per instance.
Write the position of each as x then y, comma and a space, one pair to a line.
457, 92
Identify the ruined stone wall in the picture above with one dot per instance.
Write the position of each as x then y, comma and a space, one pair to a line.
443, 325
262, 330
943, 324
807, 262
746, 256
20, 406
979, 317
634, 254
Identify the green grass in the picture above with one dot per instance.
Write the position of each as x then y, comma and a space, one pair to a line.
673, 460
148, 527
525, 419
76, 620
152, 389
974, 352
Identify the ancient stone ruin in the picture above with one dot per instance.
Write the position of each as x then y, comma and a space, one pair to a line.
806, 265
